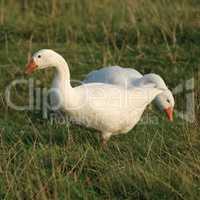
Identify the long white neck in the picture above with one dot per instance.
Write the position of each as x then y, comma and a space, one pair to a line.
68, 96
63, 73
153, 78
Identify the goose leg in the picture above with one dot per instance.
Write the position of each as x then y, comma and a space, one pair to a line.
105, 137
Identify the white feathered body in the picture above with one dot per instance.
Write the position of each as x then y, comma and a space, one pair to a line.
111, 109
106, 107
115, 75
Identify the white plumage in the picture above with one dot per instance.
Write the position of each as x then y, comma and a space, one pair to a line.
129, 78
110, 109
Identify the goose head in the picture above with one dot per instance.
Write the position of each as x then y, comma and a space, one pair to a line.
42, 59
165, 102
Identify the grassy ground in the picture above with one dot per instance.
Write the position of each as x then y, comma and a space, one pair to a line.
40, 160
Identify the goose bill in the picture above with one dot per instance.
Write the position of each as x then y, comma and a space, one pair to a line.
30, 67
169, 112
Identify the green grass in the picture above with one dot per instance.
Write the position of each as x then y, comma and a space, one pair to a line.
39, 160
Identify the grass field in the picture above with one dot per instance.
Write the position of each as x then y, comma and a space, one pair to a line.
41, 160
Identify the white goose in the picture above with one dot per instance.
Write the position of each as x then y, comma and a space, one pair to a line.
107, 108
127, 77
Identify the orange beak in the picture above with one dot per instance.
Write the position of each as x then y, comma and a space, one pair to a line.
31, 66
169, 112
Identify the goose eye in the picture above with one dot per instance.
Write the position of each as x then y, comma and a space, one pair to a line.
39, 56
168, 100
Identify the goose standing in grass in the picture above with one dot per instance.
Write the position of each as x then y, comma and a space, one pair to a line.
127, 78
107, 108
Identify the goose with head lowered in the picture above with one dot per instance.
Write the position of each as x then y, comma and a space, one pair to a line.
128, 77
108, 108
